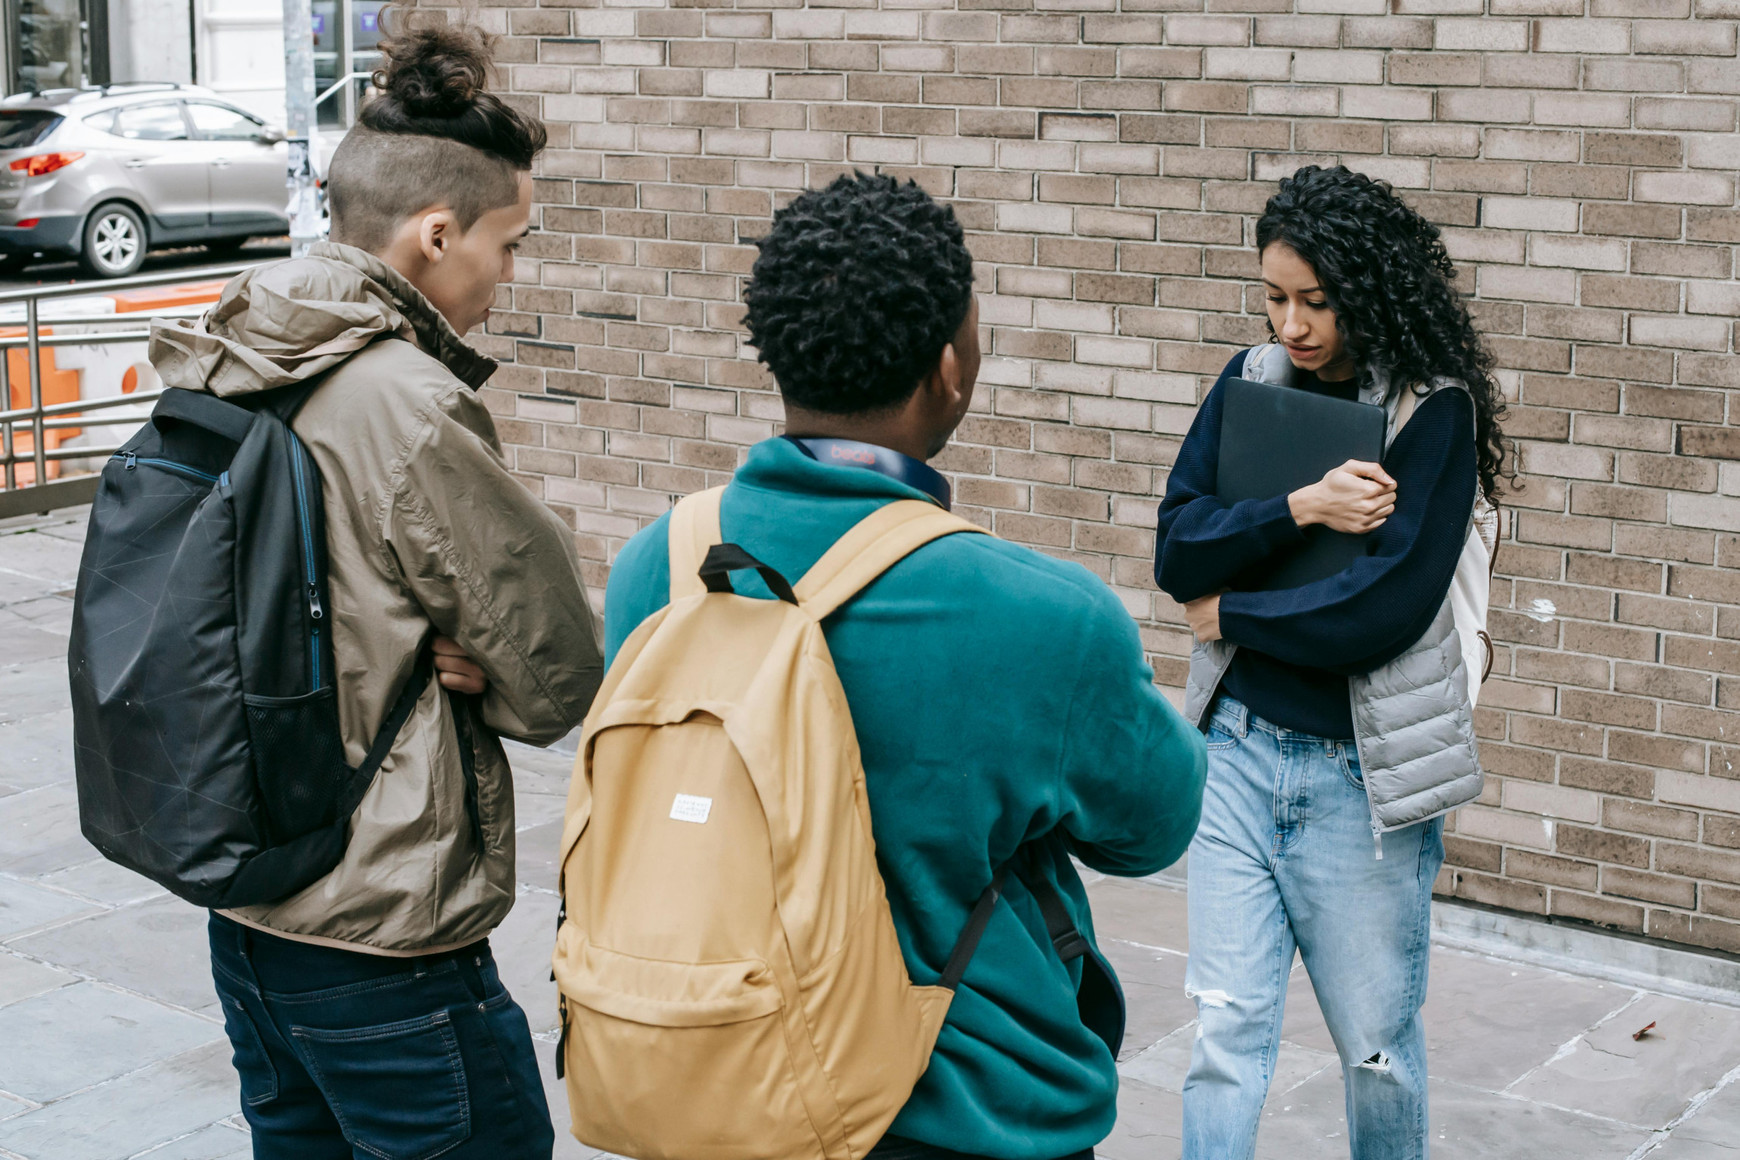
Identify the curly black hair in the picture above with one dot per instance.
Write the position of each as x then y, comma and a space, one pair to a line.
1385, 273
857, 289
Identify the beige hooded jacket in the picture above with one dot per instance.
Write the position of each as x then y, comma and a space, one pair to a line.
426, 532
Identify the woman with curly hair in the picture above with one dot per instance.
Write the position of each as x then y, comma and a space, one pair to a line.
1339, 714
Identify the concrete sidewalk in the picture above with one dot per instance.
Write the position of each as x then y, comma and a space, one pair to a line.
111, 1044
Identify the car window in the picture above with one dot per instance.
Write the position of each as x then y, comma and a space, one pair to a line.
104, 120
151, 123
218, 123
22, 128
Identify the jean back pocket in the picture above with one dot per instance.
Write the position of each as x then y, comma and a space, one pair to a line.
398, 1089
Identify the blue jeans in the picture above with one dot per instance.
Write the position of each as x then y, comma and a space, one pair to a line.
1285, 858
347, 1056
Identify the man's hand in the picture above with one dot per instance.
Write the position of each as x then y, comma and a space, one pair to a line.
1203, 613
455, 670
1355, 497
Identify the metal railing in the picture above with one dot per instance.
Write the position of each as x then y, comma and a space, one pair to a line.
43, 494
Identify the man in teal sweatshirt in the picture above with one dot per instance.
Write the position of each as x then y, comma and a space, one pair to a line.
1000, 696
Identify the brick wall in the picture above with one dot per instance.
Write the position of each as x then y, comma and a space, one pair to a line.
1107, 158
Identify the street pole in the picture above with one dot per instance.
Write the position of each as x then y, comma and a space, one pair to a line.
304, 208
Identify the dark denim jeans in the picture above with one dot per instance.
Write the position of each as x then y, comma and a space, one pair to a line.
900, 1148
347, 1056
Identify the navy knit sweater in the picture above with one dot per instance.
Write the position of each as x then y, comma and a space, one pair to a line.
1298, 646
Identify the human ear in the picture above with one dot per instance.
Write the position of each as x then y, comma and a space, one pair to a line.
948, 372
436, 232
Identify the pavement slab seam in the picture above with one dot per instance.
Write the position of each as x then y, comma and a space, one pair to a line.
28, 1104
1534, 1101
1332, 1062
110, 985
1653, 1144
97, 906
110, 1080
1570, 1045
1692, 1108
1147, 947
242, 1135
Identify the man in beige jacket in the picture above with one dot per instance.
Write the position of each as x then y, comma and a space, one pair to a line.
365, 1011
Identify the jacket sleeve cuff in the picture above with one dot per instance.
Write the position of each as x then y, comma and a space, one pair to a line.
1241, 616
1230, 622
1274, 517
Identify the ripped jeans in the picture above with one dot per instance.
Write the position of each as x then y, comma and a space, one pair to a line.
1285, 858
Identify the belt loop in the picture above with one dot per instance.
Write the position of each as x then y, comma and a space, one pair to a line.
1244, 720
470, 970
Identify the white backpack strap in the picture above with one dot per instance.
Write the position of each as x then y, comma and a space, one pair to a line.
694, 529
875, 544
1267, 364
1407, 402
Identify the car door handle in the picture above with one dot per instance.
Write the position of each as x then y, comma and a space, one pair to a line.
220, 163
135, 163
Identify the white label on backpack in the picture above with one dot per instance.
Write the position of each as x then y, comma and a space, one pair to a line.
689, 808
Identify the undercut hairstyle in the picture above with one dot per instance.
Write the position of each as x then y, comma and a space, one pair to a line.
432, 136
857, 290
1384, 271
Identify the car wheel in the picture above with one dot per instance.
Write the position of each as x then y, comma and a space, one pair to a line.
114, 242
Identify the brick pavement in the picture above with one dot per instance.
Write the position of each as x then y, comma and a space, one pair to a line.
113, 1045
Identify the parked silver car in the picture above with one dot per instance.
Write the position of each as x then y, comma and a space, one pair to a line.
105, 174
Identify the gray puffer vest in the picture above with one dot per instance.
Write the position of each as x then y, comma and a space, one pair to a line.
1413, 722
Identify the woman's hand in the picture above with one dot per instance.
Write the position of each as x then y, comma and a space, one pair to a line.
1355, 497
1203, 614
455, 670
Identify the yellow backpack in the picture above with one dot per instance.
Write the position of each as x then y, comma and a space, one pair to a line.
732, 987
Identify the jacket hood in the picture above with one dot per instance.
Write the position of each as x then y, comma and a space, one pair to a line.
290, 321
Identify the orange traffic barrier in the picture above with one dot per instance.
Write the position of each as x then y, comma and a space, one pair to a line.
62, 386
58, 386
166, 297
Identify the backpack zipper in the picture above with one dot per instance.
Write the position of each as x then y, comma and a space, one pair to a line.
316, 613
131, 461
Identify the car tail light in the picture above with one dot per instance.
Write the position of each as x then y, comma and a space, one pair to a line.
26, 223
45, 163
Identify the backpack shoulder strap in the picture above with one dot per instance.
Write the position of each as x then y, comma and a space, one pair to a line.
1409, 398
1268, 363
874, 545
693, 532
286, 402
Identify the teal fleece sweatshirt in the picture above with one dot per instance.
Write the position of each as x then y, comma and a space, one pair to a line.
1000, 697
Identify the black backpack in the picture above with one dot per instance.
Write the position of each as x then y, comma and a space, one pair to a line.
205, 712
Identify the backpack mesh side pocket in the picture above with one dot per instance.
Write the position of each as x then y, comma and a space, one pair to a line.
298, 760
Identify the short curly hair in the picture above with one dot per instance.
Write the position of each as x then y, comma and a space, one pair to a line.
857, 289
1387, 276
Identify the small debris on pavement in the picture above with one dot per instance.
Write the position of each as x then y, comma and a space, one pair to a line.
1642, 1031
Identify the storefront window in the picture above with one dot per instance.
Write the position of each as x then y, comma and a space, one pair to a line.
347, 35
50, 50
